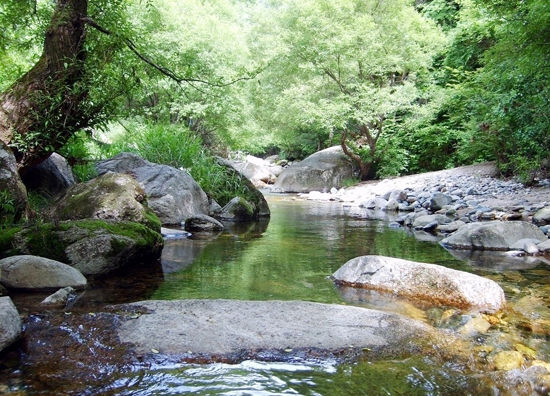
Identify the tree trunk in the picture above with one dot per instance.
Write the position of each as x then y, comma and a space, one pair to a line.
42, 109
364, 167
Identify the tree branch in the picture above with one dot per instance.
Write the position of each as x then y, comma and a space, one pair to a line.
164, 70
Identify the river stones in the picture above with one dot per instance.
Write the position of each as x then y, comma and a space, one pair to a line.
10, 323
227, 327
33, 272
542, 216
492, 235
422, 281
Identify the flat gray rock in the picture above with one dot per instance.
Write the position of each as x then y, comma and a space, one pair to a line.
33, 272
223, 327
10, 323
428, 282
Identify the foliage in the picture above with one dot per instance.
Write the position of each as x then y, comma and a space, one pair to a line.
7, 209
177, 146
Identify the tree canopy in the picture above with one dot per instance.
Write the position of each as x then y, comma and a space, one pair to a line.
403, 86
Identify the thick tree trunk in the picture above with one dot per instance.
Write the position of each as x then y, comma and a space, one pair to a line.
41, 110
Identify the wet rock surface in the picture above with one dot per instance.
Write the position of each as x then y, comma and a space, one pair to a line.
227, 327
10, 323
422, 281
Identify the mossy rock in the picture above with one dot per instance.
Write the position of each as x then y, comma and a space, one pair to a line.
253, 195
112, 196
238, 209
95, 247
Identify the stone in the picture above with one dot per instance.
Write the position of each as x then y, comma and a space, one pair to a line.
391, 206
238, 209
252, 194
508, 360
111, 196
173, 233
439, 200
94, 247
528, 245
422, 221
374, 203
225, 327
38, 273
203, 223
12, 189
428, 282
544, 246
171, 193
51, 177
256, 169
451, 227
542, 216
493, 235
319, 172
476, 325
10, 323
59, 298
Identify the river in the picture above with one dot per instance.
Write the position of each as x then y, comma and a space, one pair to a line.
290, 257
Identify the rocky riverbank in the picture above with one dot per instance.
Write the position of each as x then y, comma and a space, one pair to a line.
442, 202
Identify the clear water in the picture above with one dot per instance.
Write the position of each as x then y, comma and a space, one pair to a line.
290, 258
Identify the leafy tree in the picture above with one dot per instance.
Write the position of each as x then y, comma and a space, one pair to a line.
350, 68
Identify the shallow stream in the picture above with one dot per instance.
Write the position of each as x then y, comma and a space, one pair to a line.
290, 258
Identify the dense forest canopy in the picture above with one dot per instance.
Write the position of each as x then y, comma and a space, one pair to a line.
404, 86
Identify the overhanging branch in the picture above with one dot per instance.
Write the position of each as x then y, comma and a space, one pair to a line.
164, 70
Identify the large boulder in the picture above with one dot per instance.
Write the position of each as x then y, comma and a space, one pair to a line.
111, 196
251, 193
171, 193
492, 235
256, 169
38, 273
229, 327
10, 323
13, 193
319, 172
428, 282
94, 247
51, 177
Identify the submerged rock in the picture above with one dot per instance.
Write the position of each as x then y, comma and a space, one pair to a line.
319, 172
492, 235
171, 193
111, 196
227, 327
422, 281
94, 247
59, 298
38, 273
10, 323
